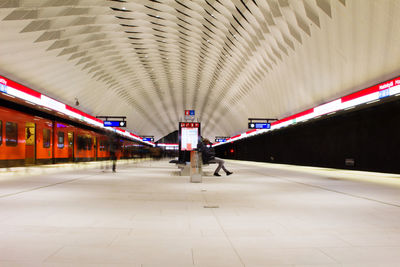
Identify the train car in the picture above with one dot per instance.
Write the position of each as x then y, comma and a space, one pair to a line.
27, 139
24, 139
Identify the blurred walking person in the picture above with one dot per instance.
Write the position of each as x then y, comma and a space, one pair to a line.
113, 152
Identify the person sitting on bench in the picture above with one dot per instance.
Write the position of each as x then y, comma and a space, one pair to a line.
208, 156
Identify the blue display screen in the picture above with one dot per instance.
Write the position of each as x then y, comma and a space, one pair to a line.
114, 123
384, 93
148, 139
3, 88
259, 125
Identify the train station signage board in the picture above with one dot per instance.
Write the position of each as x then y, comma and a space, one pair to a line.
189, 114
114, 123
221, 139
189, 135
259, 125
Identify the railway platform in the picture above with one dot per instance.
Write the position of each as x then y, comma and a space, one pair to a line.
147, 215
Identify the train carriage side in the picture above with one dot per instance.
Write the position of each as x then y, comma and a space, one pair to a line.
12, 138
27, 139
63, 137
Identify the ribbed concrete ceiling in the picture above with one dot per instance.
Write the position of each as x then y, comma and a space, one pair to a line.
227, 59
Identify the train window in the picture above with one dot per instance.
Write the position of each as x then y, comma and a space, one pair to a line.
84, 142
103, 145
60, 140
81, 142
89, 143
46, 138
11, 134
1, 133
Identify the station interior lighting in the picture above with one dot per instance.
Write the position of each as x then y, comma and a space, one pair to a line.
366, 96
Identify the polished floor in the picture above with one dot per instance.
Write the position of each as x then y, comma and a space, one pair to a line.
146, 215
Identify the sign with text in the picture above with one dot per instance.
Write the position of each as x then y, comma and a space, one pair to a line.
189, 134
190, 125
3, 86
189, 114
114, 123
259, 125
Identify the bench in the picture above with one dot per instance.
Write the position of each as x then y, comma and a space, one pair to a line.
183, 166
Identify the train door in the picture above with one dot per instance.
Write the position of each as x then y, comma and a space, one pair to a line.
30, 143
70, 146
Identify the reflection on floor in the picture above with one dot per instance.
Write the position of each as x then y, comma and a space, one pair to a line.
145, 215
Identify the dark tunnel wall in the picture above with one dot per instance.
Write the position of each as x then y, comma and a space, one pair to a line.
368, 138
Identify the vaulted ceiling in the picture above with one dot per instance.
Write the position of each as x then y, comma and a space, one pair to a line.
229, 60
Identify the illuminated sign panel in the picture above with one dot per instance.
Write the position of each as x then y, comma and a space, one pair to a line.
259, 125
114, 123
3, 86
189, 135
190, 125
189, 114
189, 138
384, 93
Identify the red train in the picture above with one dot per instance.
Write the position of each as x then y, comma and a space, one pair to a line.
27, 139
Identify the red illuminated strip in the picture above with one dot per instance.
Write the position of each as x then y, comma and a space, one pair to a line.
44, 98
372, 89
306, 112
236, 136
361, 93
21, 88
77, 111
135, 136
318, 112
251, 131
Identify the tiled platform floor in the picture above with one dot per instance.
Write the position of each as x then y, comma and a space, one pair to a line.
145, 215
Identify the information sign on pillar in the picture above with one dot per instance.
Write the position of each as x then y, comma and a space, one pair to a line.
189, 135
189, 115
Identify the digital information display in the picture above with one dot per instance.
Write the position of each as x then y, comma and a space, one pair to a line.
259, 125
149, 139
189, 135
114, 123
3, 88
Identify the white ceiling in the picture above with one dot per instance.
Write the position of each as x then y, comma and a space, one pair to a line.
229, 60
